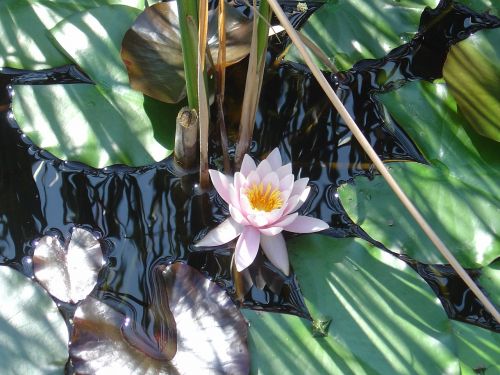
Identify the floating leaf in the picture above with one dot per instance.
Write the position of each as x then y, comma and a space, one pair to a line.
472, 71
429, 114
68, 275
478, 349
481, 6
374, 28
33, 334
490, 282
385, 319
24, 26
98, 125
442, 199
152, 51
211, 332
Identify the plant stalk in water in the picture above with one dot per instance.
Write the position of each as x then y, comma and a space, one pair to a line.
253, 83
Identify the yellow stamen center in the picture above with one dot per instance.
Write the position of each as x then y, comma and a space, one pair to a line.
264, 199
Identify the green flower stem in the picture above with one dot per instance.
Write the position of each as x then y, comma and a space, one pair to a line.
188, 23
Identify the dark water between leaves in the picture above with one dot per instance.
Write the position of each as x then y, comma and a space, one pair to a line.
152, 215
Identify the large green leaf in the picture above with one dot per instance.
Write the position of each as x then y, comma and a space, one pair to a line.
104, 124
24, 26
33, 334
429, 114
385, 318
490, 281
464, 217
472, 71
481, 6
350, 30
478, 349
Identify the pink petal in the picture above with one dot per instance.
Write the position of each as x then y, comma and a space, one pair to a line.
299, 186
306, 224
299, 201
292, 202
286, 187
277, 227
271, 178
247, 165
253, 178
286, 220
221, 183
237, 215
223, 233
245, 206
274, 159
246, 248
258, 218
264, 168
272, 231
284, 170
275, 249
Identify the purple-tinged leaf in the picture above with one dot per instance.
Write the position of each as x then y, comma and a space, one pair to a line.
211, 332
152, 53
68, 275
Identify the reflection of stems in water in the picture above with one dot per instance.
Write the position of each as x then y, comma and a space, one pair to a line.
378, 163
221, 86
253, 83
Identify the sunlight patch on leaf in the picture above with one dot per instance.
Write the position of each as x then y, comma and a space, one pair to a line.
33, 335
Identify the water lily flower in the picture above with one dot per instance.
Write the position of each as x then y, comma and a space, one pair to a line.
263, 201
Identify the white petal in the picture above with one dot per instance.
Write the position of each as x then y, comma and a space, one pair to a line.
247, 165
264, 168
306, 224
237, 215
274, 159
246, 248
221, 183
258, 218
275, 249
223, 233
284, 170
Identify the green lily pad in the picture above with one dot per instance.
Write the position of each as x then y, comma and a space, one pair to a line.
429, 114
463, 216
104, 124
374, 27
384, 318
472, 71
24, 26
490, 282
33, 334
478, 349
481, 6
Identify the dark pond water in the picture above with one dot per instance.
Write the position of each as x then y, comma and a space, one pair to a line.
151, 215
